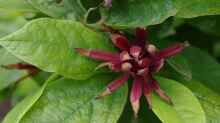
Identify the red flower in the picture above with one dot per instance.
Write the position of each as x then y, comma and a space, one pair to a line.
139, 60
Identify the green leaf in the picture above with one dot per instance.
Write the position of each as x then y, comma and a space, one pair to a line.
23, 89
16, 6
10, 24
8, 77
72, 9
49, 44
207, 24
204, 68
145, 115
133, 13
216, 49
16, 114
180, 64
41, 77
195, 8
66, 100
209, 100
186, 108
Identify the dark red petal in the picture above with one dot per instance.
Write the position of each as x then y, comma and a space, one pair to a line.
32, 70
135, 51
114, 85
120, 41
160, 92
145, 62
21, 66
147, 91
135, 96
116, 66
173, 50
157, 65
141, 36
98, 55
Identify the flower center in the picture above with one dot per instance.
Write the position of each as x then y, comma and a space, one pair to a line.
138, 61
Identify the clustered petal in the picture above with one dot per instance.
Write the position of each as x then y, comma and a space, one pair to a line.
139, 60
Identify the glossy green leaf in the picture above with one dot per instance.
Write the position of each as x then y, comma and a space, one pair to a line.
7, 77
66, 100
16, 5
209, 100
204, 68
72, 9
49, 44
186, 108
180, 64
133, 13
195, 8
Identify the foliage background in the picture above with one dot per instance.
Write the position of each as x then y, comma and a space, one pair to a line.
46, 31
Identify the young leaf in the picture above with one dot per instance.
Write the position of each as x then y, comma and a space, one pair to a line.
49, 44
66, 100
204, 68
186, 108
8, 77
133, 13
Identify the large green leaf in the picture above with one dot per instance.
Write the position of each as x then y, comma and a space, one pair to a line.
72, 9
132, 13
66, 100
204, 68
16, 5
49, 44
209, 100
7, 77
186, 108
